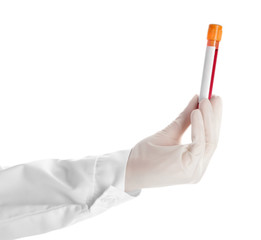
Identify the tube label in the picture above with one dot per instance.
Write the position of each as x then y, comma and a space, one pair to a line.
207, 72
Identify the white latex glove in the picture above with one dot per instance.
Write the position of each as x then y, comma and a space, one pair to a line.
161, 160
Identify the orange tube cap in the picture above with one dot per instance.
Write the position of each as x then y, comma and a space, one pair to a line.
214, 32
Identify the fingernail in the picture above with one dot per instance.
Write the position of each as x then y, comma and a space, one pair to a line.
196, 112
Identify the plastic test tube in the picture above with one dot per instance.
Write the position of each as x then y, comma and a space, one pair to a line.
213, 37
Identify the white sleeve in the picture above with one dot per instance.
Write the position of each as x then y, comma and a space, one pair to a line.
45, 195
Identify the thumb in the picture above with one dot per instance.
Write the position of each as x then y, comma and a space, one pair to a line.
176, 129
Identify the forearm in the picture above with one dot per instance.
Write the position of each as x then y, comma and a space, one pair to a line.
45, 195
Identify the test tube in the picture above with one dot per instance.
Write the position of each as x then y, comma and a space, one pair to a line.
213, 37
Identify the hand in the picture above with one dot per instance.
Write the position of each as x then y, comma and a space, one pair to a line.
161, 160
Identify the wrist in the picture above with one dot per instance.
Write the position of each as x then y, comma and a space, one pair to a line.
129, 177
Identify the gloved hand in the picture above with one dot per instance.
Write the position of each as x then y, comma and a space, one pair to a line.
161, 160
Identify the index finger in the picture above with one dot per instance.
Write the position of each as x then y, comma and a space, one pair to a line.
217, 106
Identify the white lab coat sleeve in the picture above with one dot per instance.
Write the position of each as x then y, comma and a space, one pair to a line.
49, 194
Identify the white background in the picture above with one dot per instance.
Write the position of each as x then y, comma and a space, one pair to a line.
80, 78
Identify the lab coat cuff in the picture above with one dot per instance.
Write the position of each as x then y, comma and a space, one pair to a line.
111, 171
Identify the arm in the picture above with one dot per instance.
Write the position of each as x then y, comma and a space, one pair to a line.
45, 195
